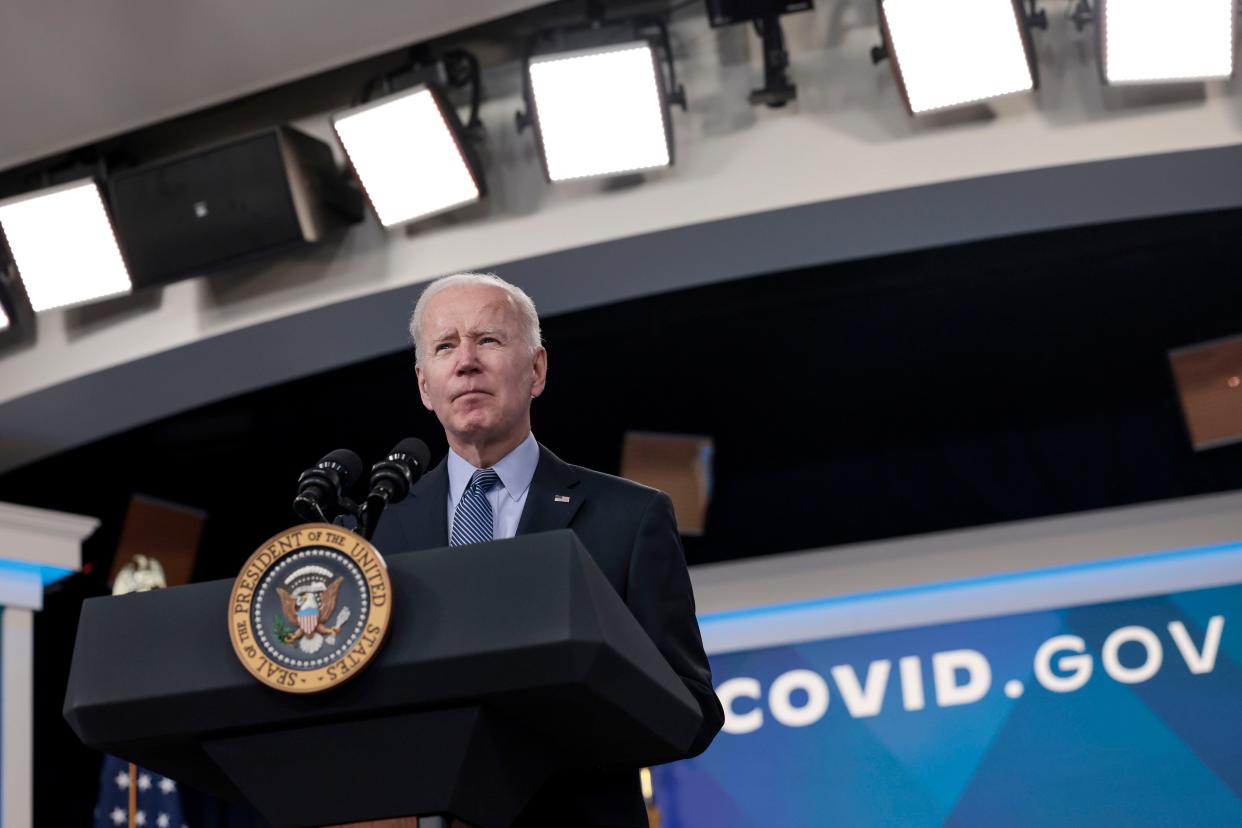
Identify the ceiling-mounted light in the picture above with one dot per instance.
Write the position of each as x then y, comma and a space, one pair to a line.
409, 156
62, 242
1146, 42
598, 99
950, 54
600, 111
410, 151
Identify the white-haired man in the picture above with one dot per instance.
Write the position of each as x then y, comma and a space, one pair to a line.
480, 363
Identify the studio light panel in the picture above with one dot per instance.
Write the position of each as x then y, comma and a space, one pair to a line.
62, 242
954, 53
1146, 41
408, 156
600, 111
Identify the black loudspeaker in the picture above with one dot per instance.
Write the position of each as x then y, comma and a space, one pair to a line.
216, 207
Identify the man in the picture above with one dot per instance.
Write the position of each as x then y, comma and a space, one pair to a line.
479, 364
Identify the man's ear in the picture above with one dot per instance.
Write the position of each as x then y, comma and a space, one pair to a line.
540, 368
422, 387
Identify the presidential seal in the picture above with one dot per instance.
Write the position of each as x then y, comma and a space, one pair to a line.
310, 608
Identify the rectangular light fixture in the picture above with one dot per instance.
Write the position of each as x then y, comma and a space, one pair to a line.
600, 111
1152, 42
4, 318
63, 244
410, 155
960, 52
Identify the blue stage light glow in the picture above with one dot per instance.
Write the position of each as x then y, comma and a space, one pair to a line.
47, 574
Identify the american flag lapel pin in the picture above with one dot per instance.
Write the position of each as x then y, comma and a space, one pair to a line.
561, 498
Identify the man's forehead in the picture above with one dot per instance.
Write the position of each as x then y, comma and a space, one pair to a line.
469, 307
470, 303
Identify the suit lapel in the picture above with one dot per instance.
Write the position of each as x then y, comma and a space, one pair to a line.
425, 519
552, 500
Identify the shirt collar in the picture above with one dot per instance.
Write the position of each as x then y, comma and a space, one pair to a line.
515, 470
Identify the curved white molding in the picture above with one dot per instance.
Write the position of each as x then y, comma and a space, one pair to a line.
60, 525
39, 539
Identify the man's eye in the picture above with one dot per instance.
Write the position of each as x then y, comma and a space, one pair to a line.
487, 339
443, 346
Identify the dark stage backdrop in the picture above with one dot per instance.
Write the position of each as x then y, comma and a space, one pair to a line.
927, 391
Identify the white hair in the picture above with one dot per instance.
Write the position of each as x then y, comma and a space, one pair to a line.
528, 318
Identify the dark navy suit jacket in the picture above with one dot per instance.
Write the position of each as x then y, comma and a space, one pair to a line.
631, 533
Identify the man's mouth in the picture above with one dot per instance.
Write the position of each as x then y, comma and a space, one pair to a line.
468, 393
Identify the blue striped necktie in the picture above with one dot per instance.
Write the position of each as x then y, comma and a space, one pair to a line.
472, 522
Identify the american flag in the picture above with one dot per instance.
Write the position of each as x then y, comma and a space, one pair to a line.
159, 802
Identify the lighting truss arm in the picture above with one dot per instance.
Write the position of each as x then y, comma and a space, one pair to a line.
8, 279
1035, 17
461, 68
1081, 14
523, 117
676, 93
880, 52
416, 68
777, 90
10, 321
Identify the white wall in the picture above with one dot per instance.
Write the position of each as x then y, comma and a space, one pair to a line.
846, 166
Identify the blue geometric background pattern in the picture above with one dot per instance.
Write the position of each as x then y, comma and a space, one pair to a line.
1143, 727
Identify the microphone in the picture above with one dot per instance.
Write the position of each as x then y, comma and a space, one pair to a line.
322, 487
391, 479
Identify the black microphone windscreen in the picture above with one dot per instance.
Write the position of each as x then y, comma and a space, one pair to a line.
347, 460
416, 449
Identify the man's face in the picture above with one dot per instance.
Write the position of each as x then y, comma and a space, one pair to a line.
474, 369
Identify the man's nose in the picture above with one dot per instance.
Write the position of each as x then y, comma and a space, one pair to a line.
467, 358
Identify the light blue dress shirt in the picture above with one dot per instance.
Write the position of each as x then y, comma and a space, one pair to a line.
516, 469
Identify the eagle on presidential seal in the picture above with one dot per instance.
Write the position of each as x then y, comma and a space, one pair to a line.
307, 601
